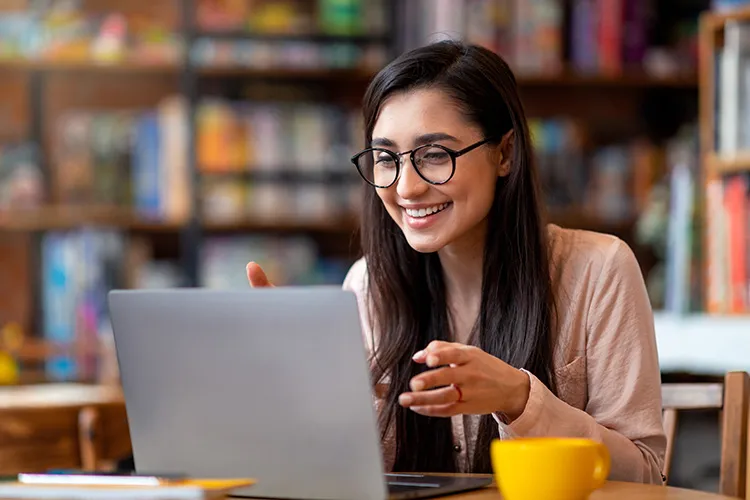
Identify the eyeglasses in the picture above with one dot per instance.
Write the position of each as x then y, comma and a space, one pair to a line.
434, 163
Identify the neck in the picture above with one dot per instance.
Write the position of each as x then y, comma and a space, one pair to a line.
462, 263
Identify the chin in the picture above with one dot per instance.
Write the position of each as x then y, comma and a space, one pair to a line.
424, 243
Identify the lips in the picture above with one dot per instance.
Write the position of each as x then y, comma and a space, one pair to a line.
419, 213
425, 216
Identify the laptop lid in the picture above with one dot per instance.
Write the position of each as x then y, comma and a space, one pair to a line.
271, 384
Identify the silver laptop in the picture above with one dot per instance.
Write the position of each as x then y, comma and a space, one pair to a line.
271, 384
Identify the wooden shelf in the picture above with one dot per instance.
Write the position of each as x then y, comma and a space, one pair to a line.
125, 66
341, 225
716, 20
172, 68
336, 74
233, 35
628, 79
721, 166
62, 218
65, 217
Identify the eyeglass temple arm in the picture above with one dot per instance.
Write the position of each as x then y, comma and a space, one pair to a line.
470, 148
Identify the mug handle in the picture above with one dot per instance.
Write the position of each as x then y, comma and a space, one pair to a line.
601, 470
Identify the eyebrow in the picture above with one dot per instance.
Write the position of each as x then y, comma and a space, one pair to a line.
382, 142
434, 137
419, 140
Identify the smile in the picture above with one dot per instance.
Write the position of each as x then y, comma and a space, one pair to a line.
419, 213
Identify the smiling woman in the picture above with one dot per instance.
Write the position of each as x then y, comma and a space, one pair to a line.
465, 194
481, 320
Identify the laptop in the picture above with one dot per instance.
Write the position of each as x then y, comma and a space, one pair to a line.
269, 383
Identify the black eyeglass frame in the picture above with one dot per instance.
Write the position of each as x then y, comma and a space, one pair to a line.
397, 159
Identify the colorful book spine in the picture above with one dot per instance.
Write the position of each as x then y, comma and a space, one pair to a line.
635, 31
610, 36
583, 47
146, 171
59, 254
735, 204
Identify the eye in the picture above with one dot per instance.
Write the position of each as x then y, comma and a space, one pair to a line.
435, 156
384, 160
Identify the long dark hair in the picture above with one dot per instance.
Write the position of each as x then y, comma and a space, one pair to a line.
406, 288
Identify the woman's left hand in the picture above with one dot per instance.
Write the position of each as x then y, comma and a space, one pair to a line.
465, 380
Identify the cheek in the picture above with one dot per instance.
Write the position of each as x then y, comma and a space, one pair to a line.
476, 193
385, 196
388, 198
486, 195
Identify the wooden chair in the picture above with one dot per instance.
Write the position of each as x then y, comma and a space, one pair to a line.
731, 398
103, 436
61, 426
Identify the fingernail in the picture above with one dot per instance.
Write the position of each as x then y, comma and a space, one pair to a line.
405, 400
418, 354
417, 385
432, 361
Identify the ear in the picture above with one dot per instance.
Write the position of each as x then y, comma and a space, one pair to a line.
505, 149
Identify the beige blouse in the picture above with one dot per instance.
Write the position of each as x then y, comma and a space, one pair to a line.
606, 363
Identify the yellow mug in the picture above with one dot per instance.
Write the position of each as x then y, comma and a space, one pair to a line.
549, 468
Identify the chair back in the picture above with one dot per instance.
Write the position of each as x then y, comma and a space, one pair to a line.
731, 398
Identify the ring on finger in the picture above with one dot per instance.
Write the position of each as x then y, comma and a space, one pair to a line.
460, 393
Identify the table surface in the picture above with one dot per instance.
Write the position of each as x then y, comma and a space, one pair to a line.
614, 491
61, 395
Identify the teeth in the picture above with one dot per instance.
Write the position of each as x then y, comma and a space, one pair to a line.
424, 212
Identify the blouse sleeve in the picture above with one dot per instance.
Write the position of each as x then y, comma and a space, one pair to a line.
624, 405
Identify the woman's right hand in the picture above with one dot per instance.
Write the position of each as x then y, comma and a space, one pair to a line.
256, 276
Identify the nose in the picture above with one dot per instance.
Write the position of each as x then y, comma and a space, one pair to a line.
409, 184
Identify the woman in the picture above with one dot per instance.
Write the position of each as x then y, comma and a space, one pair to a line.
481, 321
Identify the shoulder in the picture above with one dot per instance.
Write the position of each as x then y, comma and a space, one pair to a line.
356, 278
597, 281
356, 281
580, 250
582, 262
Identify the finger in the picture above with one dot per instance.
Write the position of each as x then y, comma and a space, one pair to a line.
443, 395
420, 356
435, 345
436, 378
454, 354
448, 410
438, 344
256, 276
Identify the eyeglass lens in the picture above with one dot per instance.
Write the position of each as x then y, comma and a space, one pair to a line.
379, 166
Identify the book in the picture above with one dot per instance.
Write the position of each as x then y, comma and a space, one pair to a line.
190, 489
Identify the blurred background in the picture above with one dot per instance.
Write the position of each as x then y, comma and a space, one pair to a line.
164, 143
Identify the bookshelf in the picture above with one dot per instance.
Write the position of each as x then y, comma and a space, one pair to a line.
725, 161
607, 104
126, 83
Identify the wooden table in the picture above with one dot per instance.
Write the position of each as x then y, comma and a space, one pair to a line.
614, 491
610, 491
59, 395
61, 426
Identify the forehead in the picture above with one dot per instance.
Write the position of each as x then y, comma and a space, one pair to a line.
405, 115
